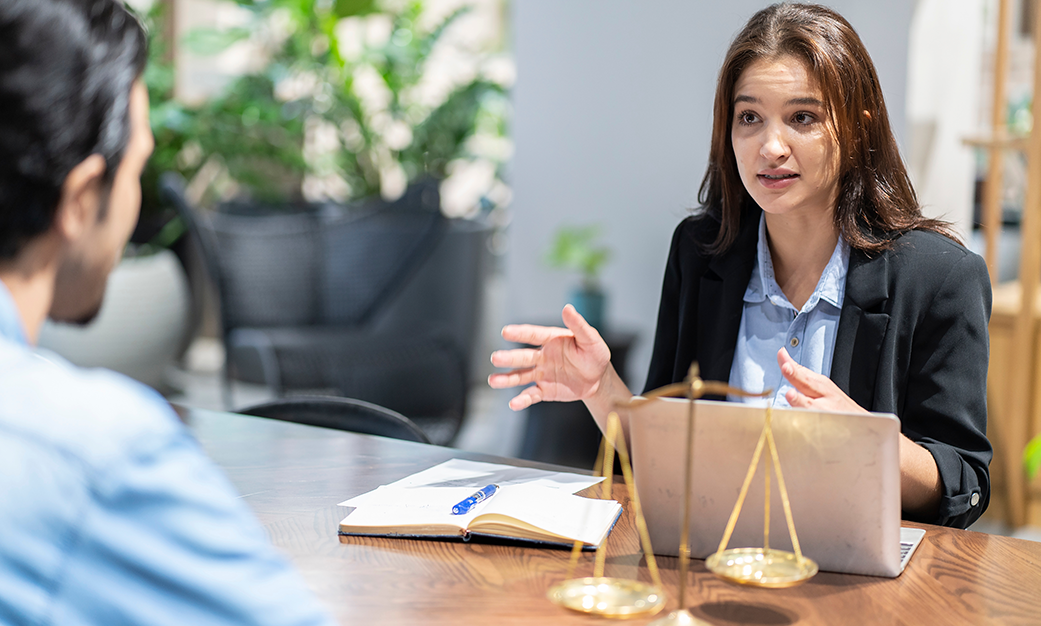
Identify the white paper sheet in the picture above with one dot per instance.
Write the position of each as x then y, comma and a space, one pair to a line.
469, 476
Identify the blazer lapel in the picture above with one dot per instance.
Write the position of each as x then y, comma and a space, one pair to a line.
721, 301
862, 328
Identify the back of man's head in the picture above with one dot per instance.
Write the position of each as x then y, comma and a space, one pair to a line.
66, 72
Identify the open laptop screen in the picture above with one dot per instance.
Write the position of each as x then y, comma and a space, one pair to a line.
842, 472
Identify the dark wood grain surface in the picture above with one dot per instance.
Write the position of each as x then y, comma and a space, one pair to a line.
293, 476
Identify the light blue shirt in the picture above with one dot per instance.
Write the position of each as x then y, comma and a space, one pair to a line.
769, 322
111, 514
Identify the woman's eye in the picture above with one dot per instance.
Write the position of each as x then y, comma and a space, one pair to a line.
747, 118
803, 118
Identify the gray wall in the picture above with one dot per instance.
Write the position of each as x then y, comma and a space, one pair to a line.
612, 115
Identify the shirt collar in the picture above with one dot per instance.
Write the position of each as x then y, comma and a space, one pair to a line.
832, 285
763, 285
10, 321
756, 291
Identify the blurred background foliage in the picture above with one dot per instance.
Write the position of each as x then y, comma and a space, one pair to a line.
579, 249
347, 100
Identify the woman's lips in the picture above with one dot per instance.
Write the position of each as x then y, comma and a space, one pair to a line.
779, 180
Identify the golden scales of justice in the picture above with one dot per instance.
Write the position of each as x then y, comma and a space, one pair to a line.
759, 567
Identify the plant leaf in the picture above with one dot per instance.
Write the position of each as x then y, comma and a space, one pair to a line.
1032, 457
575, 248
427, 43
350, 8
210, 41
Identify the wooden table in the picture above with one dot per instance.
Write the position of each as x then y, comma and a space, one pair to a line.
294, 475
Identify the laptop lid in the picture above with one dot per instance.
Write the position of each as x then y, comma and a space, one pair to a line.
842, 472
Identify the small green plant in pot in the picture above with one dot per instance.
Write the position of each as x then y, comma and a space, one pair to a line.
578, 248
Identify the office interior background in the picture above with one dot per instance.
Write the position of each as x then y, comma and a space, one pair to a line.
605, 125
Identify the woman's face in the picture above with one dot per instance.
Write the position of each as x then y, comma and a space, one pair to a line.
786, 152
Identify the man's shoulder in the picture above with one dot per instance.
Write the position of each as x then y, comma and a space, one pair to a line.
92, 415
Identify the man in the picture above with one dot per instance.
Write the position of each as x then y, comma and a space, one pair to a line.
109, 512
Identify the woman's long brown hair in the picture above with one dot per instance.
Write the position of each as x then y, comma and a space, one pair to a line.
876, 201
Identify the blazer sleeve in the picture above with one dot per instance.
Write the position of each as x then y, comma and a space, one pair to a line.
666, 335
945, 407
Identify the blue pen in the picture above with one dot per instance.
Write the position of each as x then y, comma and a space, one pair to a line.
466, 505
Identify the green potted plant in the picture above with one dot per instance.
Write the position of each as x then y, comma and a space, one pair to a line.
345, 106
347, 99
578, 249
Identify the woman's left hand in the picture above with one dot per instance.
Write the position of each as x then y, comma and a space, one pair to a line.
813, 390
920, 486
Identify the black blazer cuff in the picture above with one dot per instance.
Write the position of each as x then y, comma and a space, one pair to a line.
963, 499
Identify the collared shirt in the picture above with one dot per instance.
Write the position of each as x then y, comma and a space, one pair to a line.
110, 513
769, 322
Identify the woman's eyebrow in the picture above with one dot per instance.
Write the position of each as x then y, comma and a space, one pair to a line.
804, 101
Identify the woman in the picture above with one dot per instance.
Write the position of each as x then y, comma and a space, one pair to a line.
809, 270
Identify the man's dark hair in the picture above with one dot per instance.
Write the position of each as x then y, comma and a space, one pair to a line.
66, 71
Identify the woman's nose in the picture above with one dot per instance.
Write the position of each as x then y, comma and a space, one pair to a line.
774, 147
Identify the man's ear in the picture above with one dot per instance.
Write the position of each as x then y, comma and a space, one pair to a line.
81, 196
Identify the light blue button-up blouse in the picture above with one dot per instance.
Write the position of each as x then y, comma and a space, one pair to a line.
769, 322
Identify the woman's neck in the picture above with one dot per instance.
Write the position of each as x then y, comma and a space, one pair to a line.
800, 248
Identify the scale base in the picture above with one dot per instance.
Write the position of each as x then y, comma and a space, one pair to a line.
760, 567
608, 597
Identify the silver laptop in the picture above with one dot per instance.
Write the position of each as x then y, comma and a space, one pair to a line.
842, 471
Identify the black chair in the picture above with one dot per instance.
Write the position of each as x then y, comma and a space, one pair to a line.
375, 301
356, 416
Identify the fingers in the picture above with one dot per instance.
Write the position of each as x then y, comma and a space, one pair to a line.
516, 358
803, 379
584, 333
526, 398
797, 400
516, 378
531, 334
813, 390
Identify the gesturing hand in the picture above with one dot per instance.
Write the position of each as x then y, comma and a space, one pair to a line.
568, 365
813, 390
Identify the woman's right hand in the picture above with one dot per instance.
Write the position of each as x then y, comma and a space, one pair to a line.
569, 363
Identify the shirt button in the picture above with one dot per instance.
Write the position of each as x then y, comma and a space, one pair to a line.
794, 341
975, 499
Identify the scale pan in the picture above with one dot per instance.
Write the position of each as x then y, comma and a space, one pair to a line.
761, 568
608, 597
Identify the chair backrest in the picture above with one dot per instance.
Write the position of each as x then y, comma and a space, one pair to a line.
372, 249
311, 286
268, 268
319, 264
339, 413
448, 290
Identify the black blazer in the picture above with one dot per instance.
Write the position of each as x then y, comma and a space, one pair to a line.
912, 340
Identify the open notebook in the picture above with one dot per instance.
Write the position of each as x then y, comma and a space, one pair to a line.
842, 471
529, 505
